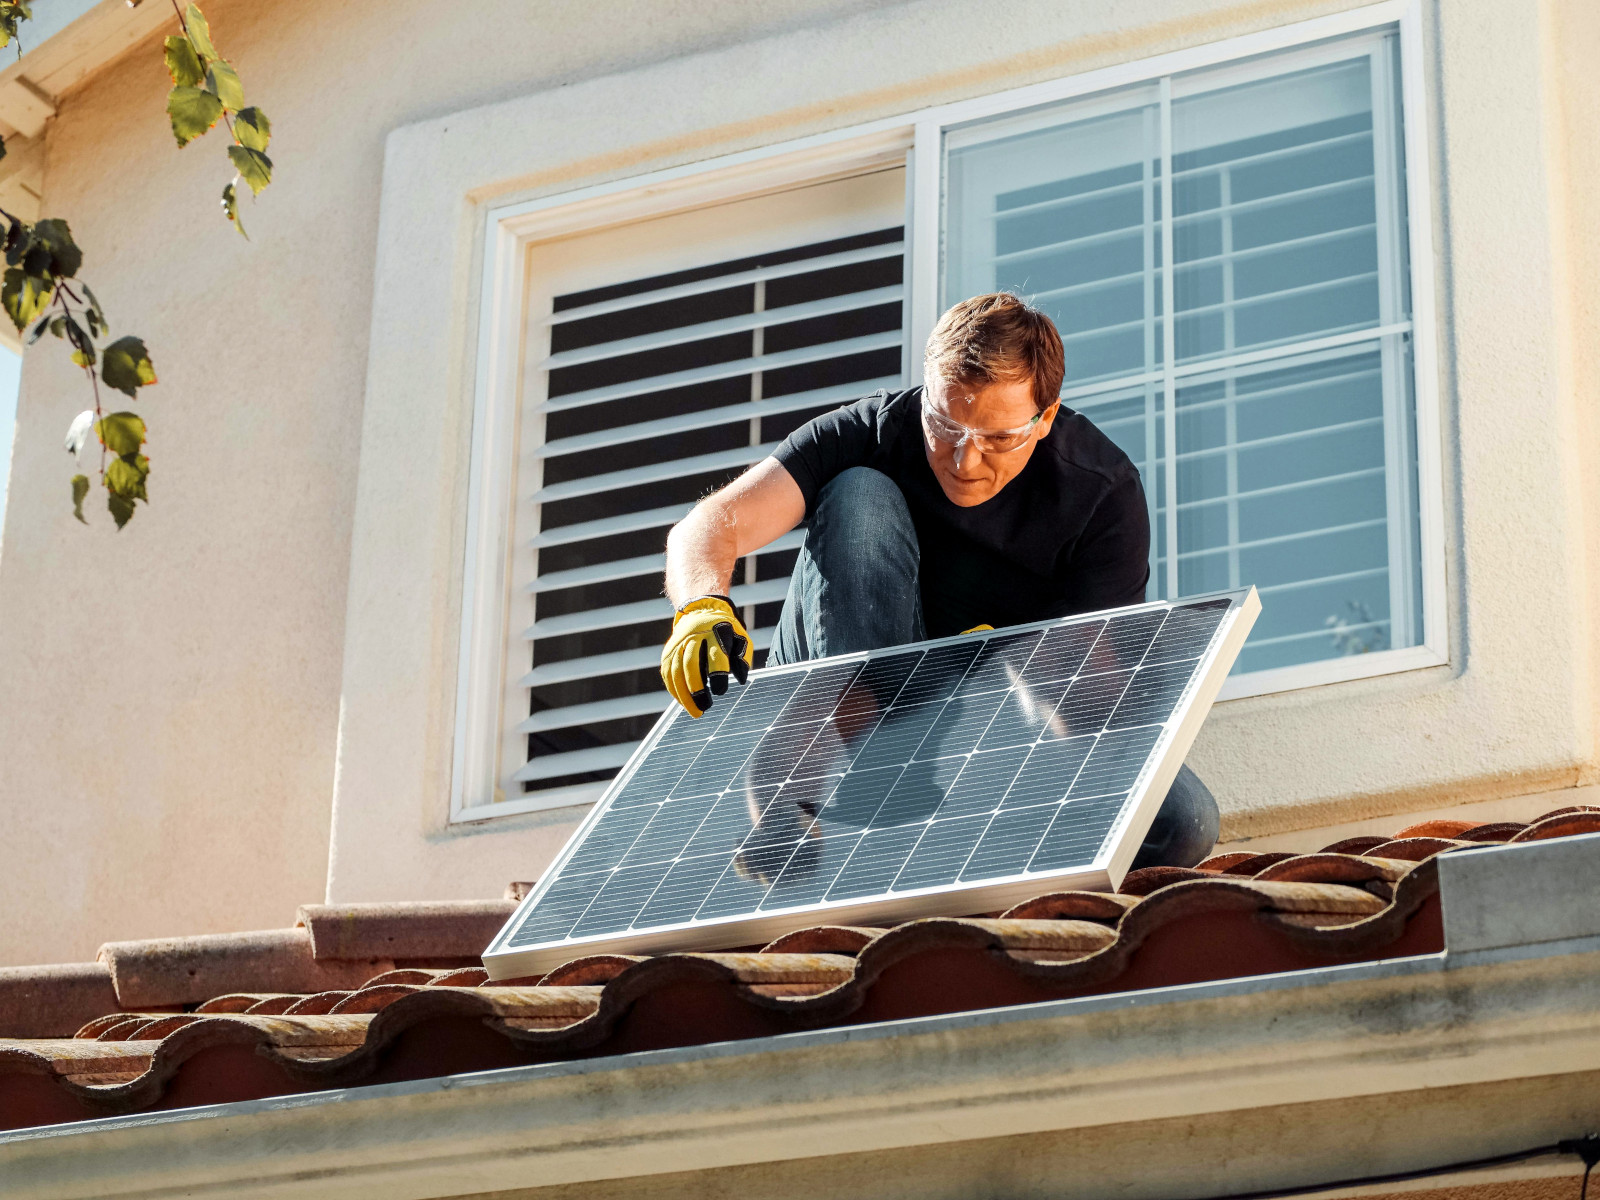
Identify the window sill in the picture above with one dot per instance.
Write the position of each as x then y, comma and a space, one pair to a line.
574, 796
1333, 670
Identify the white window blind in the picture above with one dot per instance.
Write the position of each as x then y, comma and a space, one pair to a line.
655, 391
1283, 384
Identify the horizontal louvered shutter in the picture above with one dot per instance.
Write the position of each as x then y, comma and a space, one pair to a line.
655, 391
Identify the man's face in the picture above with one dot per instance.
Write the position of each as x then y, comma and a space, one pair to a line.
968, 475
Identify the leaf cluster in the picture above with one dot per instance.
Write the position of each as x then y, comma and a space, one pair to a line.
40, 288
206, 89
11, 13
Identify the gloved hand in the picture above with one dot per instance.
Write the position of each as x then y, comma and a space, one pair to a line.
708, 643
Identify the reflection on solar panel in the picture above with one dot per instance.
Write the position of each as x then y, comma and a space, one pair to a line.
948, 777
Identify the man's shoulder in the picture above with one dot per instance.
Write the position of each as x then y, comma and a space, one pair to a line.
1079, 445
885, 411
890, 401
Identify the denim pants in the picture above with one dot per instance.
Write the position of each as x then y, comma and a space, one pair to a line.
855, 587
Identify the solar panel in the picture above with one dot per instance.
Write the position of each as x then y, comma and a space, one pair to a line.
947, 777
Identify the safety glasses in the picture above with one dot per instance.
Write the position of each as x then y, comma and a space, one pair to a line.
988, 441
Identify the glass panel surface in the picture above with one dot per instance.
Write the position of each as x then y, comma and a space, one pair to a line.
1062, 206
1268, 456
983, 757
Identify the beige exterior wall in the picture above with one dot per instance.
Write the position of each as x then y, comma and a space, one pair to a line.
173, 699
169, 696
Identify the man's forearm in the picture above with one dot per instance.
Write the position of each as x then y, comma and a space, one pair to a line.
704, 547
702, 551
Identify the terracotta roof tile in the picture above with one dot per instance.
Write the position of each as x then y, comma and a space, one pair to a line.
191, 969
1561, 823
1356, 845
1413, 849
1255, 863
402, 931
280, 1012
40, 1002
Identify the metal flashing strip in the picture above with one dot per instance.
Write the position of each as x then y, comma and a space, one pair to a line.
1521, 894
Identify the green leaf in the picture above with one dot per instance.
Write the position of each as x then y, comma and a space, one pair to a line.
200, 33
80, 492
251, 127
53, 235
79, 339
24, 296
126, 474
230, 206
95, 309
254, 167
126, 366
58, 326
39, 330
12, 12
222, 81
183, 64
83, 358
121, 432
121, 509
193, 111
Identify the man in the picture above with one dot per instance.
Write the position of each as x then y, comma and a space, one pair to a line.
973, 501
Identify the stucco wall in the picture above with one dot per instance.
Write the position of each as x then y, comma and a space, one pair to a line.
171, 698
169, 695
1512, 712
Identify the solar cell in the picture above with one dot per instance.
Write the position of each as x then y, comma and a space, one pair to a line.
955, 776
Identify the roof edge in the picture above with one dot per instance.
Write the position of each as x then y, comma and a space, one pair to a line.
1366, 1029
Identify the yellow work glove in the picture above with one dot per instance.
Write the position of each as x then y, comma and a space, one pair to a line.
708, 643
978, 629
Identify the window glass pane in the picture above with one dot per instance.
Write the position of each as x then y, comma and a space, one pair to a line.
1062, 206
1284, 481
1275, 203
1295, 466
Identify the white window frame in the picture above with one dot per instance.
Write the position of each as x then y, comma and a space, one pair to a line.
917, 140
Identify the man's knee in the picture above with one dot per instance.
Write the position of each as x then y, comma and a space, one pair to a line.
1186, 827
861, 494
861, 521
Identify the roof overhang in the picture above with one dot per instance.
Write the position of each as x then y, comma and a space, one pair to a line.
1514, 997
66, 43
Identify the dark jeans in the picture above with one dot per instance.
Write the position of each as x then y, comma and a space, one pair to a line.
855, 587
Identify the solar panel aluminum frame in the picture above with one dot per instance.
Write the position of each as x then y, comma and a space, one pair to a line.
1105, 873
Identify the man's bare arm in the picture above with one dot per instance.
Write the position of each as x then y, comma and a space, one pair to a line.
762, 504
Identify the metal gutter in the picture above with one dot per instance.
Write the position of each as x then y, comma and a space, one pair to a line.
1488, 1010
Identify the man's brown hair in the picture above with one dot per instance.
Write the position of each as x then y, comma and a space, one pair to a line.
998, 338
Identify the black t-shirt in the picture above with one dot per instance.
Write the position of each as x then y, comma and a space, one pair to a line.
1069, 534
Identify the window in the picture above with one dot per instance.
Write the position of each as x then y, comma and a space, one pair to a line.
713, 335
1283, 380
1224, 238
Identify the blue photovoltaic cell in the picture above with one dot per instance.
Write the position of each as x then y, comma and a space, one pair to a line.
983, 758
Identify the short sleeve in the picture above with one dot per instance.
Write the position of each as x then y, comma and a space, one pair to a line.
1110, 562
828, 445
